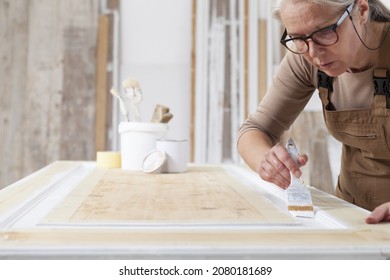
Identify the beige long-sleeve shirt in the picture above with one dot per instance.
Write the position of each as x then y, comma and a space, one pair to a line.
293, 85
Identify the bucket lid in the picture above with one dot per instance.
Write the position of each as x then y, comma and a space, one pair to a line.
142, 127
154, 161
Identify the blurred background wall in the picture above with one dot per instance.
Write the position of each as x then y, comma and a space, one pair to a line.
47, 83
209, 61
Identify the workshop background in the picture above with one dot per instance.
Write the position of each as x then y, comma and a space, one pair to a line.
209, 61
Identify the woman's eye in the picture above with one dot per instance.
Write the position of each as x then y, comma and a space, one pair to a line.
325, 32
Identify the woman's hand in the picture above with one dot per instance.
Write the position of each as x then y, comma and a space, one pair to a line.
275, 166
380, 214
272, 163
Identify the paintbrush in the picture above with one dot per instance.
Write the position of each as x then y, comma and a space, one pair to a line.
134, 94
122, 104
159, 112
298, 196
166, 118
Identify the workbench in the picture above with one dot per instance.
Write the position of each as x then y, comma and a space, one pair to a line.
75, 210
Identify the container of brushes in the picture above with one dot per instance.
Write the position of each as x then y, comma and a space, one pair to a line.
137, 140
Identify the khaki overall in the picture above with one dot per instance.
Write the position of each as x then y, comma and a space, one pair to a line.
364, 177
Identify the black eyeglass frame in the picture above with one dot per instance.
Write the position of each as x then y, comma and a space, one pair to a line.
332, 27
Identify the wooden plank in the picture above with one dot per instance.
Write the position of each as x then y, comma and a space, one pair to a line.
229, 238
113, 4
102, 82
193, 81
262, 84
86, 222
201, 195
47, 84
13, 52
22, 190
79, 74
244, 244
246, 59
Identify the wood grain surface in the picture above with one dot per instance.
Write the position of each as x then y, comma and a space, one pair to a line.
208, 212
210, 196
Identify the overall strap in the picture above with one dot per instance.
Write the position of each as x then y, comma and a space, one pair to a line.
381, 75
381, 81
325, 87
381, 91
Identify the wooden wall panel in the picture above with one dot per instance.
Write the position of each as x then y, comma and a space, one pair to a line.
47, 105
79, 81
193, 80
13, 55
262, 63
103, 82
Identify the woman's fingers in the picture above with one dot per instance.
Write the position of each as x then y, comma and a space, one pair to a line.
380, 214
269, 173
276, 165
302, 159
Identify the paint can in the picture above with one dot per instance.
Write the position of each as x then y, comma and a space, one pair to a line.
177, 153
137, 140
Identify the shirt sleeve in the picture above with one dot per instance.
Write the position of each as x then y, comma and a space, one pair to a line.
291, 88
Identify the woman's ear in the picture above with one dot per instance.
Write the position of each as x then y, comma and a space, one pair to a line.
362, 10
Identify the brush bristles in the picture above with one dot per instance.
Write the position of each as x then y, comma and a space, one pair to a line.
300, 208
130, 83
305, 211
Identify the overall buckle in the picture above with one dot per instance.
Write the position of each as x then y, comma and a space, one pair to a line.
381, 81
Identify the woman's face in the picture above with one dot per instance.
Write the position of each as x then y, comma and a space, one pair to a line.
301, 18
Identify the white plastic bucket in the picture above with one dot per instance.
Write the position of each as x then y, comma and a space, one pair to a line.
176, 152
137, 140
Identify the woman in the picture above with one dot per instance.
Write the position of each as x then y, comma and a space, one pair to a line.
341, 48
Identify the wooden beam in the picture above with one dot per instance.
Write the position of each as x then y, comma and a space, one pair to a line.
262, 81
113, 4
193, 81
102, 82
246, 58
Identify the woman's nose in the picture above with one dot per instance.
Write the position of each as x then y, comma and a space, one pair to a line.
313, 48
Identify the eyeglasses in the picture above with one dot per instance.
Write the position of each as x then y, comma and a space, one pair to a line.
326, 36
